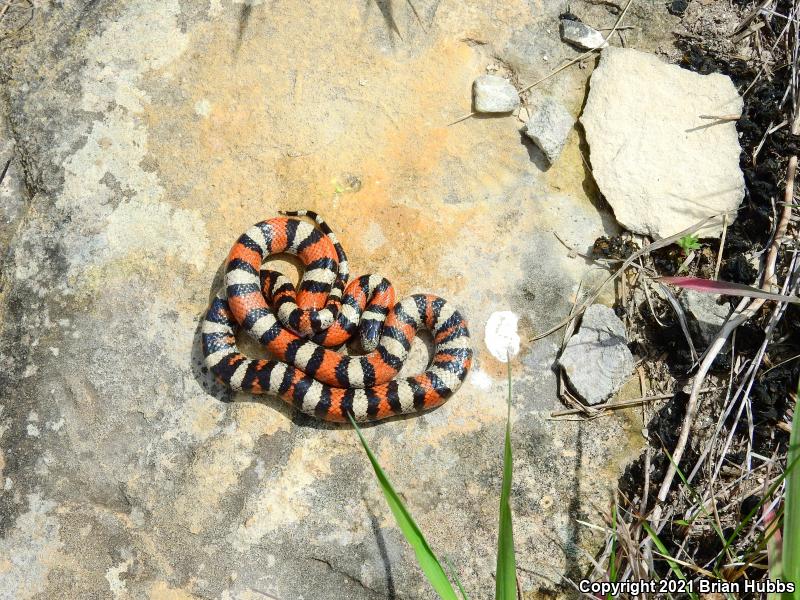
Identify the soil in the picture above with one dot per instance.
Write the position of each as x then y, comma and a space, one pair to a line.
706, 47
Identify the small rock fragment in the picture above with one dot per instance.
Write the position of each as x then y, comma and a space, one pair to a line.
597, 360
581, 35
548, 126
493, 94
678, 7
708, 316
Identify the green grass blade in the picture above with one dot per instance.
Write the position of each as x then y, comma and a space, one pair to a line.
696, 497
506, 582
663, 549
612, 562
791, 510
427, 560
454, 575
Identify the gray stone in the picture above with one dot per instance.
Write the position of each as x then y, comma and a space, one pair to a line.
597, 360
548, 126
660, 165
493, 94
581, 35
708, 315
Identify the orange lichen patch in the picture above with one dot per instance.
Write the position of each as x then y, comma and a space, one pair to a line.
280, 139
162, 591
499, 370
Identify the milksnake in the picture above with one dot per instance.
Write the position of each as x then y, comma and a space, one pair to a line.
298, 327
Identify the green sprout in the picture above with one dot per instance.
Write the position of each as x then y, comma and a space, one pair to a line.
688, 243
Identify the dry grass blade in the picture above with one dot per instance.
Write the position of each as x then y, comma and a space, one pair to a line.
726, 288
681, 315
611, 405
721, 246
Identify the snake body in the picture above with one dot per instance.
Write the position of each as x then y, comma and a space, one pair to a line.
297, 327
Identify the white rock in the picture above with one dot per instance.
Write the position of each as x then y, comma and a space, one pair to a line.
597, 360
493, 94
660, 165
582, 36
548, 126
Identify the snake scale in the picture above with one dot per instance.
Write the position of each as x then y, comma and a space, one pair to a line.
300, 327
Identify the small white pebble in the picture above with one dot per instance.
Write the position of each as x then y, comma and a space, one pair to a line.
501, 335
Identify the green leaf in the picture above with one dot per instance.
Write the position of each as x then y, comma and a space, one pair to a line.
454, 575
506, 581
689, 242
791, 516
427, 560
663, 550
612, 561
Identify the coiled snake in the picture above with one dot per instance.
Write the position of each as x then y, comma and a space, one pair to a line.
298, 327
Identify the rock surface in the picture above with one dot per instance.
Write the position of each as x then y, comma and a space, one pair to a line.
708, 315
12, 200
649, 144
597, 360
149, 136
581, 35
548, 126
494, 94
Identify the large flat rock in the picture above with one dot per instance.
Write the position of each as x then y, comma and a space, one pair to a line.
660, 155
149, 135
